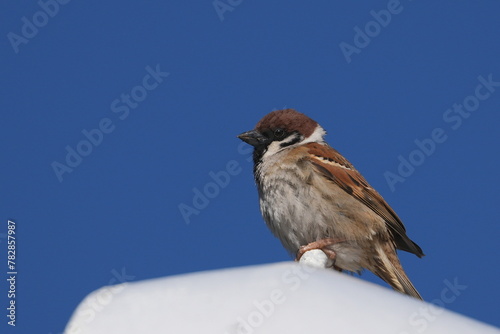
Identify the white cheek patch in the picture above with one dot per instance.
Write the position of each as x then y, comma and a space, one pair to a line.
277, 146
316, 136
272, 149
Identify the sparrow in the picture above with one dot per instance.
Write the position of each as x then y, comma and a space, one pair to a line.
311, 197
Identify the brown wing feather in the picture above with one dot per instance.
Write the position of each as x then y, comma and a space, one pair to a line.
388, 268
338, 169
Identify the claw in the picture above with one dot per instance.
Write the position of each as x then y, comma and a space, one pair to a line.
319, 244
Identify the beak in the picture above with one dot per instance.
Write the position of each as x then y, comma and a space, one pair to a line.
253, 138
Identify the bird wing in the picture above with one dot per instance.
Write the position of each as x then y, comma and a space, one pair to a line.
334, 167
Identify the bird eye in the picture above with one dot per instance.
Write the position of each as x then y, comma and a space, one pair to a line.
279, 133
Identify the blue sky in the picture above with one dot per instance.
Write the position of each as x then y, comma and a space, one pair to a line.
116, 115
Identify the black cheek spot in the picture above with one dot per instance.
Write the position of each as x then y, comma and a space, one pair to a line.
295, 140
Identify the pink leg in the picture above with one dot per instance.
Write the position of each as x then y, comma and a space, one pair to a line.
319, 244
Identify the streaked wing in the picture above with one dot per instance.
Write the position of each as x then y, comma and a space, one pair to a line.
334, 167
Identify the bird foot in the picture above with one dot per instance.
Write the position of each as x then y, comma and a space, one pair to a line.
319, 244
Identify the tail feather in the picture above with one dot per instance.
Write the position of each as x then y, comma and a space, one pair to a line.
405, 282
388, 268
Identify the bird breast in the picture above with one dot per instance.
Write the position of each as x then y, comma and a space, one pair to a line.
300, 206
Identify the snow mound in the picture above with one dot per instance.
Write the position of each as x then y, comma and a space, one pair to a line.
275, 298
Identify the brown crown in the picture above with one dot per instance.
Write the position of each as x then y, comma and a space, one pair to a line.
288, 119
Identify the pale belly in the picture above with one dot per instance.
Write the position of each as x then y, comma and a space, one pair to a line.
300, 215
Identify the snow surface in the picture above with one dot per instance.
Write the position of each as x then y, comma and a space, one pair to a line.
275, 298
